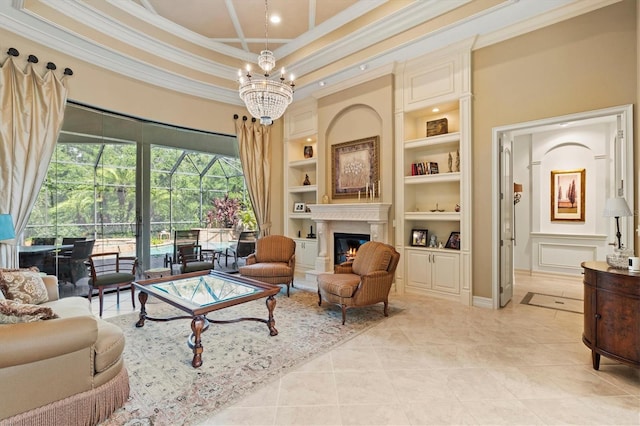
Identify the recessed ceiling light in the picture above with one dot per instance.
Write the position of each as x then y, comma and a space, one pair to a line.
275, 19
363, 67
436, 109
322, 83
564, 124
309, 139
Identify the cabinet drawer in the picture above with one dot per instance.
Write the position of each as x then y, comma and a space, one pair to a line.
621, 284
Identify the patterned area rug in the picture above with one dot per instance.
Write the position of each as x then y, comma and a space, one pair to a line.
238, 357
554, 302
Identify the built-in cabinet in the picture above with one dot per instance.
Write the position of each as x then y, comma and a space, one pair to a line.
433, 174
301, 181
306, 253
435, 270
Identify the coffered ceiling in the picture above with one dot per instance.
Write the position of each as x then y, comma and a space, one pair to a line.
198, 46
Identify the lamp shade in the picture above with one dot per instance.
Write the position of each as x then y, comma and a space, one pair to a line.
616, 207
6, 227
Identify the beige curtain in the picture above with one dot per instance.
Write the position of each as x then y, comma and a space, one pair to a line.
254, 142
30, 121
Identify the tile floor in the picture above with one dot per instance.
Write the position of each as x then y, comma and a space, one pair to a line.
440, 363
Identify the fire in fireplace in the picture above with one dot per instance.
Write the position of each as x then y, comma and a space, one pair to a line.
346, 245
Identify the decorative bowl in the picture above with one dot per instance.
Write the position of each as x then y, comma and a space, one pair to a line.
619, 259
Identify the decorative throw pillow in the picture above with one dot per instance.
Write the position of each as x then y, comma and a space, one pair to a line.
13, 312
25, 286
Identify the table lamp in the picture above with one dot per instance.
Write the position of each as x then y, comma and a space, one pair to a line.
7, 231
617, 207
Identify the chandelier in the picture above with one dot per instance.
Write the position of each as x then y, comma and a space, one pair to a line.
265, 98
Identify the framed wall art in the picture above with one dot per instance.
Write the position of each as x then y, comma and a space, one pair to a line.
298, 207
355, 167
419, 237
567, 195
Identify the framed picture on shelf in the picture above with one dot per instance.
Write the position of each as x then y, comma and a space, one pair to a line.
419, 237
298, 207
454, 241
437, 127
355, 167
567, 195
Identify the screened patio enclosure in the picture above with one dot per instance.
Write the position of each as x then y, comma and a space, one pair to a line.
129, 184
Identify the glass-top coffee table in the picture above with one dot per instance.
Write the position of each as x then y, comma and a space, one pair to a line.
199, 293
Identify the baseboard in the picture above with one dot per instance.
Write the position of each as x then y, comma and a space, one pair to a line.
482, 302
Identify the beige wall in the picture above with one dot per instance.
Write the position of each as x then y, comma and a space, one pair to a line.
356, 113
582, 64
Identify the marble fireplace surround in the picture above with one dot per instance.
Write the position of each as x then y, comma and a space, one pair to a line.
363, 218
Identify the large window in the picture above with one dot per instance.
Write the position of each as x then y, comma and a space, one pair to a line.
129, 184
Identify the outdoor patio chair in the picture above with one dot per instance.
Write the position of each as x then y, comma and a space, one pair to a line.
43, 241
72, 265
245, 245
181, 238
110, 270
194, 258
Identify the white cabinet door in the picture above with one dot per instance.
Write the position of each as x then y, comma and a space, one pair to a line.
418, 269
306, 253
445, 272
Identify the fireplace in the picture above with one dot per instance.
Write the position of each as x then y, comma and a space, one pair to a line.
345, 245
368, 219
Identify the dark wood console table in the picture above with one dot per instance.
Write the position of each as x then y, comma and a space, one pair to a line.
611, 313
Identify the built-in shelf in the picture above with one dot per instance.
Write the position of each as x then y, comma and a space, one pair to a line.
438, 177
448, 138
303, 188
300, 215
301, 164
439, 216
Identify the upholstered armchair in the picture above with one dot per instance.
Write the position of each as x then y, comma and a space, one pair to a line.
273, 261
364, 281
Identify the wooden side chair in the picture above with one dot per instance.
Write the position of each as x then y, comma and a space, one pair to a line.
110, 270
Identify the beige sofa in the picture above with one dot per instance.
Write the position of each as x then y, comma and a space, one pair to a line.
68, 370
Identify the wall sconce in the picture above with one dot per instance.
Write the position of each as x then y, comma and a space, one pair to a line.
7, 231
617, 207
517, 193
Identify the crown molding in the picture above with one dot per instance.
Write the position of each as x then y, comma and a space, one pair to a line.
488, 27
571, 9
363, 77
25, 25
92, 17
407, 17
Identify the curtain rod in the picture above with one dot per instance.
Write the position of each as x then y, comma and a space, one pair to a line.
244, 118
34, 59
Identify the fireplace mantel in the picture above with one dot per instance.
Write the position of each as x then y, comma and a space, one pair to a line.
353, 212
329, 217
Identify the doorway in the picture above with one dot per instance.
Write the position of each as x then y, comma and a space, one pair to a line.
599, 142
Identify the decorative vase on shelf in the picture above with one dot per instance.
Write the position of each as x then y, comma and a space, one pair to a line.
308, 151
620, 258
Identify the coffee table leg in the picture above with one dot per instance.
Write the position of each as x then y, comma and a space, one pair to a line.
197, 325
271, 305
142, 297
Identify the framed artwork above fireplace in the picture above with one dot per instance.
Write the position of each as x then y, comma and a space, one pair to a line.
355, 168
